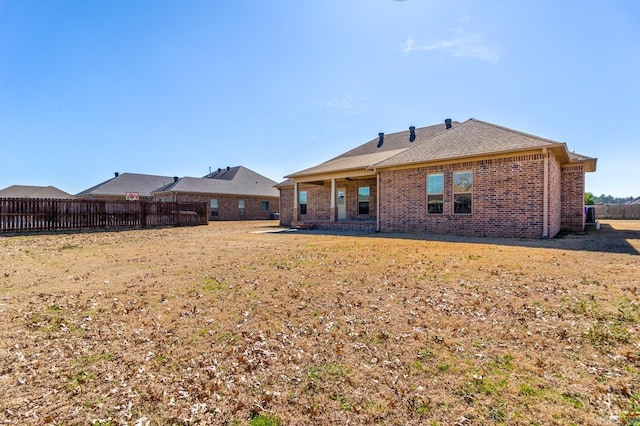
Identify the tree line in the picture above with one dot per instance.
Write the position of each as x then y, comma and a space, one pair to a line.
590, 199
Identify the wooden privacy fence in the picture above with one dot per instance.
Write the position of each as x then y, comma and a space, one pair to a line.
617, 211
39, 214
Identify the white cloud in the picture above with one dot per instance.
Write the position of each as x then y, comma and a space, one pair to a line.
464, 46
342, 103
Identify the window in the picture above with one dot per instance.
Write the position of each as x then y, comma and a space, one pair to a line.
363, 200
435, 194
264, 205
302, 201
462, 191
241, 208
214, 207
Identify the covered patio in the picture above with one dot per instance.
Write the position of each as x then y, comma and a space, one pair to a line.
340, 202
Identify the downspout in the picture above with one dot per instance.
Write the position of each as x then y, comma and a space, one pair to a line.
377, 200
545, 194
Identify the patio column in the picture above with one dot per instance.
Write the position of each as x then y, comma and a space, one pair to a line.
332, 211
295, 201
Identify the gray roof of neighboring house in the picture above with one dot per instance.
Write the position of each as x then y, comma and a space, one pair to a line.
234, 181
27, 191
127, 182
472, 138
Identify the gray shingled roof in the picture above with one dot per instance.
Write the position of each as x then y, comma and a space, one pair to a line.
355, 162
27, 191
369, 154
227, 173
127, 182
236, 181
634, 201
472, 138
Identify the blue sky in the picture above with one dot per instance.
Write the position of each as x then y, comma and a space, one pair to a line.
89, 88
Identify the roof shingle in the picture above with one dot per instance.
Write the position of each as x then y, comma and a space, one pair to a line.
127, 182
472, 138
235, 181
369, 154
469, 139
27, 191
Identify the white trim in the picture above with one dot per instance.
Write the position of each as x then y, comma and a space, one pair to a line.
427, 193
453, 191
358, 173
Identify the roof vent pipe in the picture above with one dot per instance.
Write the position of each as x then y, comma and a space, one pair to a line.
412, 133
447, 123
117, 174
380, 139
175, 178
219, 169
228, 168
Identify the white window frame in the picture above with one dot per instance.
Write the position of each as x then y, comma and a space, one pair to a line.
460, 192
435, 194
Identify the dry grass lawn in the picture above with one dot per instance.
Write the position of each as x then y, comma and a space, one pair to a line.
226, 324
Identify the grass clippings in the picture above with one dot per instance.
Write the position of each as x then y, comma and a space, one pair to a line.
225, 325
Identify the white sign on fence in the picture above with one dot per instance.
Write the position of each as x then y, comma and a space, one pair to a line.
131, 196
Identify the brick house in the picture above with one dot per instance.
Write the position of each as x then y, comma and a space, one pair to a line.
30, 191
471, 178
133, 185
233, 193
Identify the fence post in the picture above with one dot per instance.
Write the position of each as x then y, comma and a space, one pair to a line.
143, 214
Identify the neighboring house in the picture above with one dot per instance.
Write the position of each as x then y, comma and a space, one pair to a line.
233, 193
127, 185
26, 191
635, 201
470, 178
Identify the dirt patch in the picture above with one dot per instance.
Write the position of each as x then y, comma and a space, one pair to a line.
228, 324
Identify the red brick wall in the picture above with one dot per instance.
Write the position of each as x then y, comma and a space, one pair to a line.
318, 201
573, 198
286, 206
507, 199
228, 206
351, 195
